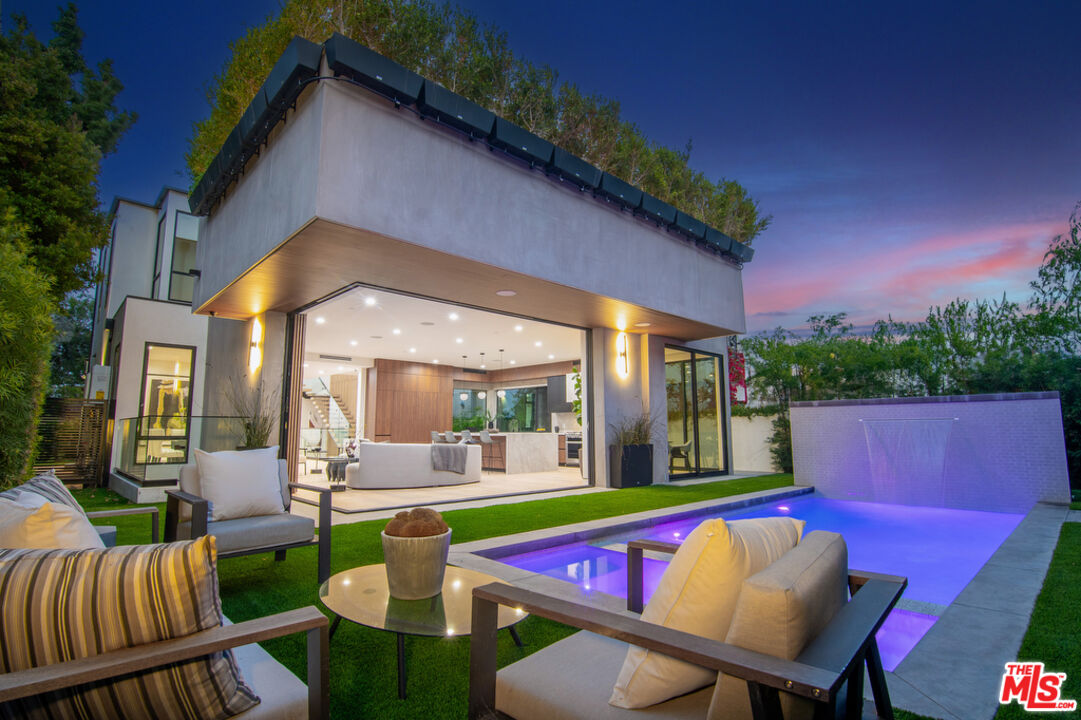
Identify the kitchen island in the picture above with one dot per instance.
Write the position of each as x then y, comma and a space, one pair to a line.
528, 452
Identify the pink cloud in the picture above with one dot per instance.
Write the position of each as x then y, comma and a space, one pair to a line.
901, 279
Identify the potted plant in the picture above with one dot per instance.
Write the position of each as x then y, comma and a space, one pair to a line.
630, 457
256, 408
415, 547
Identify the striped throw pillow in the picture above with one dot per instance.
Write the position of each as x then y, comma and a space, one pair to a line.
65, 604
47, 486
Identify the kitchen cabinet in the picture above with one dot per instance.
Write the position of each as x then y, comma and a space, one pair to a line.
557, 394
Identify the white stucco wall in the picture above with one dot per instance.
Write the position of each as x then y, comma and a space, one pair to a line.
750, 444
132, 261
351, 158
147, 321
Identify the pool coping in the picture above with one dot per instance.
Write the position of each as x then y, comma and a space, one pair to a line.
952, 673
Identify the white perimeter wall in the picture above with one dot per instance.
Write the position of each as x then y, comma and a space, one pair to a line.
1004, 453
750, 444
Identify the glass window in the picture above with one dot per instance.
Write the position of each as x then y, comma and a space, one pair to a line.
182, 282
522, 409
166, 405
469, 410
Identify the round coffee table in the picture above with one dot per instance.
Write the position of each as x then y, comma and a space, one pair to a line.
361, 595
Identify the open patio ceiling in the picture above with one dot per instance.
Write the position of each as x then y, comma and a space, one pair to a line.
323, 257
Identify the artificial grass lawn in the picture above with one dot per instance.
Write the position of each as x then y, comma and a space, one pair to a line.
362, 675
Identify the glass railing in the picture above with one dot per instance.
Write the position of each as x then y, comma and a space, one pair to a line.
337, 423
153, 448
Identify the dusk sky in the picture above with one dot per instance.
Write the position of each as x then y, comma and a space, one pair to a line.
909, 153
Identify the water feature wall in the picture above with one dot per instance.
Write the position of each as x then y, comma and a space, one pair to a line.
1002, 453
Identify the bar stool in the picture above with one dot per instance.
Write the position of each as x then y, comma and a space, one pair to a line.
467, 437
491, 446
448, 437
436, 437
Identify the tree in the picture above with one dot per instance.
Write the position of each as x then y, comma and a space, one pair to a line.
26, 332
1056, 298
58, 119
74, 328
451, 47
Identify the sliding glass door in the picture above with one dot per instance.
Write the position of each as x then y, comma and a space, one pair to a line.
696, 429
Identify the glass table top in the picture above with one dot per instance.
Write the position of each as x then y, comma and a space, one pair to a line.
362, 596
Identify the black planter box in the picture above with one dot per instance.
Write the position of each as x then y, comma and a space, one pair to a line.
630, 465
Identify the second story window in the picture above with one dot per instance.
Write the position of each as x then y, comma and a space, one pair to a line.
182, 282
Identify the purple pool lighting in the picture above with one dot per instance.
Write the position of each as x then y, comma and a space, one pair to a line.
938, 550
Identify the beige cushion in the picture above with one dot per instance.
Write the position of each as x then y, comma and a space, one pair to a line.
697, 594
571, 680
780, 611
256, 532
31, 522
282, 695
68, 604
48, 486
240, 483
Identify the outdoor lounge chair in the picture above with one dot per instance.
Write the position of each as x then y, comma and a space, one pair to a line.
272, 681
571, 678
187, 515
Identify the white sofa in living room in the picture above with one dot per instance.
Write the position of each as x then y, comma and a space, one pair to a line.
406, 465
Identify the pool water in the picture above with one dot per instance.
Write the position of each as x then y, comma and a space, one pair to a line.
939, 550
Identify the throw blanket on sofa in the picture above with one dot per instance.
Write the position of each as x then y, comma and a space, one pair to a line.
449, 457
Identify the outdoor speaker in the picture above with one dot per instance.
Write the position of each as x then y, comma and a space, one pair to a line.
742, 252
299, 62
657, 210
618, 191
375, 72
717, 240
255, 122
520, 142
452, 109
575, 169
689, 226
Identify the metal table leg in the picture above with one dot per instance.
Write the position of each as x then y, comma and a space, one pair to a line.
401, 666
334, 626
514, 635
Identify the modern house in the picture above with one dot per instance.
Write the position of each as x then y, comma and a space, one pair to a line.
371, 238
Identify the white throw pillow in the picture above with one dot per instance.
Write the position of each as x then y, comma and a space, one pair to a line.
30, 522
697, 594
240, 483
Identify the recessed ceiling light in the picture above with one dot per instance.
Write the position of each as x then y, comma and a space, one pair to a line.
453, 316
506, 293
517, 328
320, 320
483, 366
369, 301
512, 362
305, 364
459, 340
320, 372
435, 362
397, 331
551, 356
340, 368
428, 323
412, 350
538, 343
353, 343
642, 324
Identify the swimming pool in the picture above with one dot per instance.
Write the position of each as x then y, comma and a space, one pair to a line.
939, 550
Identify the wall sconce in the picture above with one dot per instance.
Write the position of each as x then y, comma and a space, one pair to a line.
623, 360
255, 348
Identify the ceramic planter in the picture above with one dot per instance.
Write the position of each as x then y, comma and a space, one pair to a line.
415, 565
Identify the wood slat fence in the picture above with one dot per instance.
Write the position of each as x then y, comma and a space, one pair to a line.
72, 440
